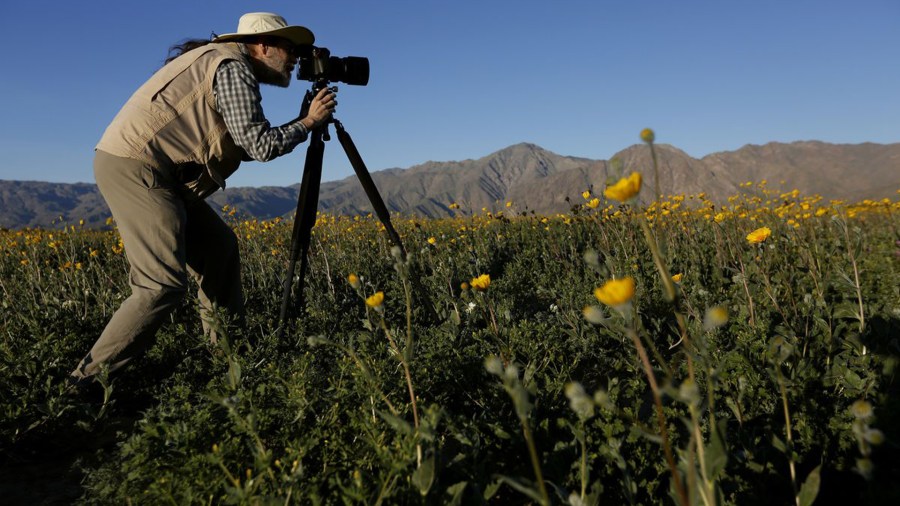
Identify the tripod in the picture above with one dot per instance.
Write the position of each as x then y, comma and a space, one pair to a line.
308, 202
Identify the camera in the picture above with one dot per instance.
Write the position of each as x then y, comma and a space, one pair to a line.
318, 66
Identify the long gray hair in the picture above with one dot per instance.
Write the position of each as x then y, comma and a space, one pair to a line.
185, 46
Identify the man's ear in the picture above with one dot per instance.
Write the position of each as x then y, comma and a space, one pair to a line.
255, 49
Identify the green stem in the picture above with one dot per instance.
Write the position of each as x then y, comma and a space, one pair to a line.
852, 256
788, 433
747, 291
707, 492
670, 291
655, 172
409, 386
660, 417
584, 471
535, 463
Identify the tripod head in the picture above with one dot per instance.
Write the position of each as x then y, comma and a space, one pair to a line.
315, 64
307, 100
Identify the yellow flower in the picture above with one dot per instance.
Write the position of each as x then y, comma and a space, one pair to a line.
481, 283
616, 292
432, 241
509, 204
648, 136
375, 301
759, 235
454, 206
677, 277
586, 194
593, 203
715, 317
625, 189
353, 279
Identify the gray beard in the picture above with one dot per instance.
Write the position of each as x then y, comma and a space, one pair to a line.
267, 75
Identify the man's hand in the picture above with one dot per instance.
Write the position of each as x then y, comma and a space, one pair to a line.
320, 109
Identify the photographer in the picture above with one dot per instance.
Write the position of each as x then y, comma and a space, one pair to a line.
174, 143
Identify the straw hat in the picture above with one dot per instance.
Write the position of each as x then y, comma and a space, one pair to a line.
267, 23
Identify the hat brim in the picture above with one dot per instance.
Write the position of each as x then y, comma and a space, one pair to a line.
296, 34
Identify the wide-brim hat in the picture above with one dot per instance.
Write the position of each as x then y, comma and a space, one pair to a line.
271, 25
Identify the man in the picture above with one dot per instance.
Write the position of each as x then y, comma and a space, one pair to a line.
173, 144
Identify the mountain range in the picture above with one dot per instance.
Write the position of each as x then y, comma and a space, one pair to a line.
531, 177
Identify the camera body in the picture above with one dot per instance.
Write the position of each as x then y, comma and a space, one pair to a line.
318, 66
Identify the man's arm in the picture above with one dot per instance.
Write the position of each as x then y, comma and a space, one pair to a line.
240, 103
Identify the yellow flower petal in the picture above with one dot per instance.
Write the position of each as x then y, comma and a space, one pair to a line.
376, 300
759, 235
625, 189
481, 283
615, 292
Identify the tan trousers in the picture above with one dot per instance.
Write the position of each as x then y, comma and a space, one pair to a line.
166, 239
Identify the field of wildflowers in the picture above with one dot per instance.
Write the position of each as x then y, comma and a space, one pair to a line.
682, 352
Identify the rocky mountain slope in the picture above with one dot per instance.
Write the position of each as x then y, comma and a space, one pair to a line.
533, 178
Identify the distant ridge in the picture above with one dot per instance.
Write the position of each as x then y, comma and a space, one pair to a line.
533, 178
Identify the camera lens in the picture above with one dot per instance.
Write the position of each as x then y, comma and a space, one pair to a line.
350, 69
316, 65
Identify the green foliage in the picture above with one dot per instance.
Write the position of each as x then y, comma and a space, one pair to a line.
762, 407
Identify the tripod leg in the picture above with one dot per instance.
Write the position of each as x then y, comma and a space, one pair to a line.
304, 220
362, 173
380, 209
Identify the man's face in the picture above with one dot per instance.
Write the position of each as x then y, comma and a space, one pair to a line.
276, 65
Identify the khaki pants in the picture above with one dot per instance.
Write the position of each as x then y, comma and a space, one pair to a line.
165, 238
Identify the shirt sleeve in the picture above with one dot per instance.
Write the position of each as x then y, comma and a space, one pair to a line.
240, 103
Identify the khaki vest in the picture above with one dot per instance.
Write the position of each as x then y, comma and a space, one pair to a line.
171, 121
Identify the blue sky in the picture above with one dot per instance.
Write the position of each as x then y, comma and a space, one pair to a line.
453, 80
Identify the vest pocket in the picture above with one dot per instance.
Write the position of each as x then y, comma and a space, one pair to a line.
150, 178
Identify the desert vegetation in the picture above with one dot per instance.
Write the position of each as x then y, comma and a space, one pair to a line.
682, 352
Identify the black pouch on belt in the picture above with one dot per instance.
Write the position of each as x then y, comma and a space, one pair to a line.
188, 172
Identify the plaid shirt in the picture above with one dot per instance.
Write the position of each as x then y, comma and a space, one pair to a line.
239, 102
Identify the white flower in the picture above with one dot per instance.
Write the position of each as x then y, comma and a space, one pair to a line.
493, 365
593, 314
581, 404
